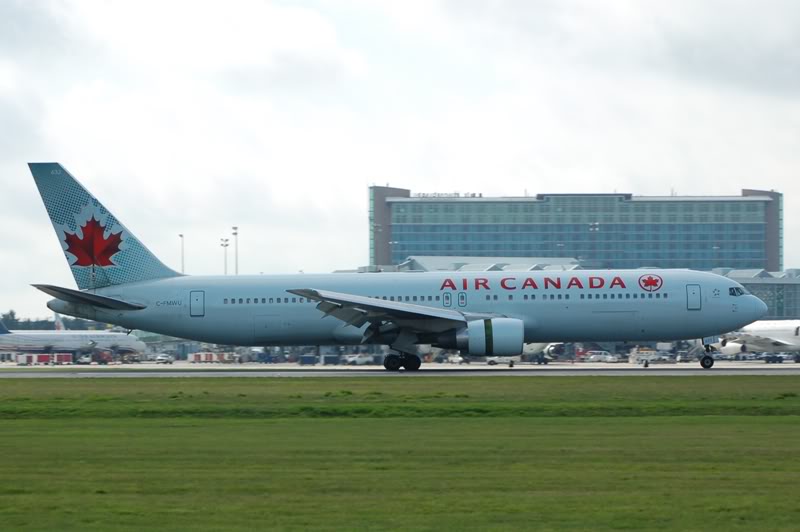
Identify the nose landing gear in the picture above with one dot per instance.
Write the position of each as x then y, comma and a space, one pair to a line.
707, 361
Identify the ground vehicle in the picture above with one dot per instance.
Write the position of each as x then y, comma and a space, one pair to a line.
164, 358
598, 356
359, 359
493, 361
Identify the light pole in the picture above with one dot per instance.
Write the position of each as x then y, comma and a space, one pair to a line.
182, 255
224, 243
236, 248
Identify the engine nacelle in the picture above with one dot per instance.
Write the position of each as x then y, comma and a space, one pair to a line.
496, 336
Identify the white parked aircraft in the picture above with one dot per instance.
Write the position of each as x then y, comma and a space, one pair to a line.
488, 313
766, 336
67, 341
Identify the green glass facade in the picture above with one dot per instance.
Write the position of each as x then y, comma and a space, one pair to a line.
602, 230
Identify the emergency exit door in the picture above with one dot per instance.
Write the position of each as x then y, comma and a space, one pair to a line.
197, 303
693, 299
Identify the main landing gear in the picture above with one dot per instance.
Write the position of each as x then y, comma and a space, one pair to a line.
408, 361
707, 361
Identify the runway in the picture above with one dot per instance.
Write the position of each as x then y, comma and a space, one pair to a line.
427, 370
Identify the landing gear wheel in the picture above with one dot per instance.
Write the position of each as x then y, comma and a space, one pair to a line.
392, 362
411, 362
707, 362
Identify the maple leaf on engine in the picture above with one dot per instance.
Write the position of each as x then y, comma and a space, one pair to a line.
93, 248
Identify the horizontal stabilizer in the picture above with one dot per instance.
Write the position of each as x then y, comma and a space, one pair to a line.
84, 298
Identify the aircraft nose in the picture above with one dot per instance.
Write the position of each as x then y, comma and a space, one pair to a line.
759, 308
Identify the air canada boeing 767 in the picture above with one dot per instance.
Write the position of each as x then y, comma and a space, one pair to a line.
488, 313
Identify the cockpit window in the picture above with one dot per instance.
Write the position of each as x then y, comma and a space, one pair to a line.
736, 291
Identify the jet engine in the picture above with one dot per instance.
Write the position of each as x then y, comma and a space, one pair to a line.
496, 336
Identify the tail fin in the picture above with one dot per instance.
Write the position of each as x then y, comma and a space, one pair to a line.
3, 328
100, 251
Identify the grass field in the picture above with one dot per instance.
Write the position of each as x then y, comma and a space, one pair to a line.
588, 453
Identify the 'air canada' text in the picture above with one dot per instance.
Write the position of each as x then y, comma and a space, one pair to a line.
546, 283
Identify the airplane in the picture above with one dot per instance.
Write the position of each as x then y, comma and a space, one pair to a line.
765, 336
480, 313
39, 341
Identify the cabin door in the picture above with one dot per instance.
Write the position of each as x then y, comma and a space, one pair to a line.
197, 303
693, 301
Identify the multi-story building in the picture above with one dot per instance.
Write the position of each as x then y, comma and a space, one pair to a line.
600, 230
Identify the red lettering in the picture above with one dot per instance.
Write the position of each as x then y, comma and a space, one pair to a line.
464, 284
617, 281
448, 283
504, 283
574, 281
555, 282
596, 282
480, 282
529, 283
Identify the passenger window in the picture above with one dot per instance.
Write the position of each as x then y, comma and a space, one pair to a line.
525, 297
270, 301
510, 297
650, 296
559, 296
627, 296
408, 298
665, 296
437, 298
566, 296
225, 301
658, 296
430, 298
605, 296
533, 296
248, 300
294, 300
582, 296
488, 297
391, 298
241, 301
277, 300
285, 299
414, 298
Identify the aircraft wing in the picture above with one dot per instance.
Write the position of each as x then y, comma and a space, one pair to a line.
756, 342
359, 310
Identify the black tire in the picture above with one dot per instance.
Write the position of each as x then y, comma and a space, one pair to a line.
411, 362
392, 362
492, 362
707, 362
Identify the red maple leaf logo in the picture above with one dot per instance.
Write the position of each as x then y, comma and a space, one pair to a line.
93, 248
651, 283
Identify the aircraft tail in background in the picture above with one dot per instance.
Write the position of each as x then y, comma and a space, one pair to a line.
100, 251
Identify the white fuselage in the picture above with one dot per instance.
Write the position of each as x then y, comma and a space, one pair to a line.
68, 341
554, 306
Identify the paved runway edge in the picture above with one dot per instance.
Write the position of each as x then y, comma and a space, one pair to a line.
428, 370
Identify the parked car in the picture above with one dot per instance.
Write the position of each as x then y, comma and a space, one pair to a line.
164, 358
493, 361
359, 359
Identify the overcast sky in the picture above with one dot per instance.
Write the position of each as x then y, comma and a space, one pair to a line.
191, 117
